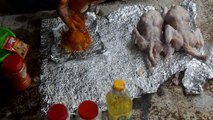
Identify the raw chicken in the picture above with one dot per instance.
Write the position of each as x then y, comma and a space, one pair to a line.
148, 35
178, 35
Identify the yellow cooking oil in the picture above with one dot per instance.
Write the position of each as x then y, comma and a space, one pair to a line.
119, 103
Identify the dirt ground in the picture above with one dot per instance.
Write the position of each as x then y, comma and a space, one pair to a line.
169, 103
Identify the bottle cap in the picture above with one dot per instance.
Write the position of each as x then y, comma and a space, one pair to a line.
88, 110
119, 85
13, 63
57, 112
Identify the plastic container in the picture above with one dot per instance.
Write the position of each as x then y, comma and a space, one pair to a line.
119, 102
15, 69
58, 112
4, 32
88, 110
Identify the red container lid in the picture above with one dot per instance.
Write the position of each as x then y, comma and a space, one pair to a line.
57, 112
13, 63
88, 110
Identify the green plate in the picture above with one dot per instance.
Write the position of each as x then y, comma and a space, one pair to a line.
4, 32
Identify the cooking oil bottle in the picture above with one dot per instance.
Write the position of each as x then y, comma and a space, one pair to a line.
119, 103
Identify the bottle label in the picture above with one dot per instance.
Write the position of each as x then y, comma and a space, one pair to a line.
14, 44
121, 117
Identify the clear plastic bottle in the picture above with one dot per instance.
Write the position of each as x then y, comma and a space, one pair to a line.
119, 102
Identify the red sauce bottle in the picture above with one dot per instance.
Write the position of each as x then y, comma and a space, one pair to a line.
15, 69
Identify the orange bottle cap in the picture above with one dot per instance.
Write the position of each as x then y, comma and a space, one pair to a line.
119, 85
